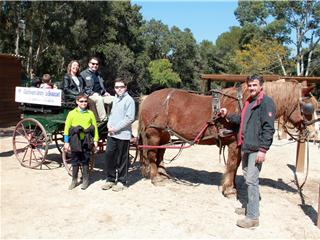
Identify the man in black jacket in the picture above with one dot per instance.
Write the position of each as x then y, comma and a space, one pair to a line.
255, 138
94, 87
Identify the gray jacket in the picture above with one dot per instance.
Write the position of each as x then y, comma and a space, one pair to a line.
122, 116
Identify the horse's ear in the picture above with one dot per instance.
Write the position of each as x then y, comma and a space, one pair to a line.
304, 83
306, 90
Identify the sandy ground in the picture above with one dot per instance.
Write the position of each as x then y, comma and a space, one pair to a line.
38, 204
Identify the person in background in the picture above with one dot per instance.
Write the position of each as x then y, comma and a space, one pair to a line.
255, 138
46, 81
73, 85
94, 87
119, 135
81, 137
72, 81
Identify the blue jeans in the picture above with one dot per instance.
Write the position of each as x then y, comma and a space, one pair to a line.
251, 171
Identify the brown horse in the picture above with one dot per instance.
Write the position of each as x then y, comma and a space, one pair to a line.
186, 114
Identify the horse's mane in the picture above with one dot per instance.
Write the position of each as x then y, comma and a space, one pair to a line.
286, 95
283, 92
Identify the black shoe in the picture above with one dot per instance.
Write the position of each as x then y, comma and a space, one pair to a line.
85, 177
73, 184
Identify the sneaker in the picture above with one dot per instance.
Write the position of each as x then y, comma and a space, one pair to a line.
240, 211
248, 223
108, 185
119, 187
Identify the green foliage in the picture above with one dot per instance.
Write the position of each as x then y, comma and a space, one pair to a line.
161, 73
290, 22
148, 53
185, 57
207, 57
260, 57
226, 45
157, 39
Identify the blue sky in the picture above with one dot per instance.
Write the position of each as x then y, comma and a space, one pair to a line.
206, 19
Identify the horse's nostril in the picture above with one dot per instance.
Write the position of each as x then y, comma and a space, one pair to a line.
307, 109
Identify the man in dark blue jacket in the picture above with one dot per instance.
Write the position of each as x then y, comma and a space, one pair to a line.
94, 87
255, 138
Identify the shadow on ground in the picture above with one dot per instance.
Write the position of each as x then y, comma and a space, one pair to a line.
281, 185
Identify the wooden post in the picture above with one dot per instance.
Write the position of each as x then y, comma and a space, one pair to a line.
301, 151
318, 222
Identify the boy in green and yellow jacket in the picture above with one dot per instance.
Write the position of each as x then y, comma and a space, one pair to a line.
81, 137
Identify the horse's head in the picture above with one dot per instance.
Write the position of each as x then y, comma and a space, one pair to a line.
301, 114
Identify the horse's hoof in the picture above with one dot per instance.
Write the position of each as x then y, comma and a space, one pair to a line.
163, 172
230, 192
159, 180
145, 171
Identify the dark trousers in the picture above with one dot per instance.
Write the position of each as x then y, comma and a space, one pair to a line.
80, 158
117, 160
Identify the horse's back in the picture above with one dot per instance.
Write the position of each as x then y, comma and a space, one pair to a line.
179, 110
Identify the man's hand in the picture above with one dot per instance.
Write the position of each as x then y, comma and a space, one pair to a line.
260, 157
223, 112
66, 147
111, 130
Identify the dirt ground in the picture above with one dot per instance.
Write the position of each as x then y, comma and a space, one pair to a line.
38, 204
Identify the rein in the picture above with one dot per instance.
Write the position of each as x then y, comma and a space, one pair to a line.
302, 128
183, 140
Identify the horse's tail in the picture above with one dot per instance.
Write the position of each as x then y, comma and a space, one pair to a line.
141, 131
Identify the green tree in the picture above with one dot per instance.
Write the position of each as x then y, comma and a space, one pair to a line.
161, 73
207, 57
185, 57
57, 32
157, 39
264, 57
226, 45
277, 20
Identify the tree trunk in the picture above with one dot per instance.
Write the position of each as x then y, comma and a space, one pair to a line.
309, 63
281, 64
30, 57
17, 41
39, 45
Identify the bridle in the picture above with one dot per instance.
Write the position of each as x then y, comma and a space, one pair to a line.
303, 132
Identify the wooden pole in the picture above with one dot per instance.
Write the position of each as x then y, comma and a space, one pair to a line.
318, 222
301, 151
242, 78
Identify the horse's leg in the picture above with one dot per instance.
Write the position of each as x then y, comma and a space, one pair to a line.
144, 161
152, 138
165, 138
229, 177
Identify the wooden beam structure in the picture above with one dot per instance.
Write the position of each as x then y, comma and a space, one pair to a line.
242, 78
205, 84
318, 221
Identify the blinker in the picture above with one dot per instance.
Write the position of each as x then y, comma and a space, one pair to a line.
307, 109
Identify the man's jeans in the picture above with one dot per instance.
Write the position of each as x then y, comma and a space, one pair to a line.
251, 171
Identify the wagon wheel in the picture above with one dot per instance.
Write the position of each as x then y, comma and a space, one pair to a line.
66, 158
133, 150
30, 143
58, 139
